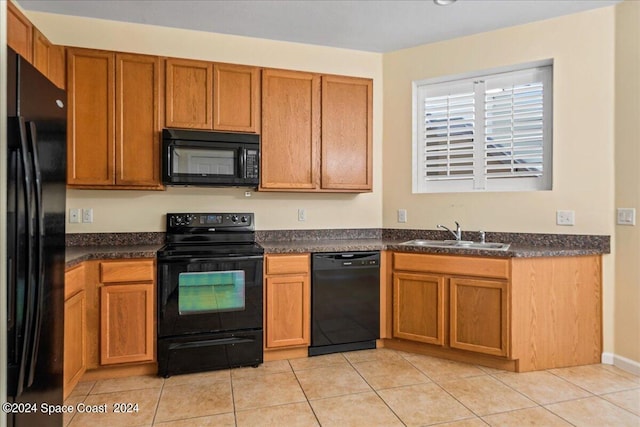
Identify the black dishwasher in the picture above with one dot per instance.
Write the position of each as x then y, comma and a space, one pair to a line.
345, 301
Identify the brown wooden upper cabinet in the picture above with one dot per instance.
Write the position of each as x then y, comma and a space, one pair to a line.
290, 143
205, 95
49, 59
32, 45
316, 132
347, 143
114, 121
19, 32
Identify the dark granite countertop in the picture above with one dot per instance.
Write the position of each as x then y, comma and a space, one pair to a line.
84, 247
346, 245
74, 255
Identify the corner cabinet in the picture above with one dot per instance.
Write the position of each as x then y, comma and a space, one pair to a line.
520, 314
113, 120
127, 311
324, 125
212, 96
287, 304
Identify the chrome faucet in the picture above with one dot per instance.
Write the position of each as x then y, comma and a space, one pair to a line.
457, 234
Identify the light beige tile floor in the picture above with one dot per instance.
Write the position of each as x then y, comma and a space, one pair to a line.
365, 388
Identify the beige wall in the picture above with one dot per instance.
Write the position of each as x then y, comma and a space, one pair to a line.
627, 87
582, 48
143, 210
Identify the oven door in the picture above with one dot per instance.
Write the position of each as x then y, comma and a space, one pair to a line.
206, 295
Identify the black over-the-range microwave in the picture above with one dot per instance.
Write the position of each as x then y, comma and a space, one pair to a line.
214, 159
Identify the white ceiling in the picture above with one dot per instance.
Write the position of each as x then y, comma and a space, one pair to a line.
376, 26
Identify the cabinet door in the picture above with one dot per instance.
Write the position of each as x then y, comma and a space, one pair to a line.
479, 315
287, 314
90, 111
137, 149
126, 323
347, 142
75, 336
189, 94
19, 32
236, 98
41, 52
418, 307
49, 59
290, 130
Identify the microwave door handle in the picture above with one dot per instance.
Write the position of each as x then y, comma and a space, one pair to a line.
242, 162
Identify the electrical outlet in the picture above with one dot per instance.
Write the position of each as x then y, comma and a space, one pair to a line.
74, 216
565, 218
402, 215
626, 216
87, 215
302, 215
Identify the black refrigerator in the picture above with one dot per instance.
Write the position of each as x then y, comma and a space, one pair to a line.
36, 187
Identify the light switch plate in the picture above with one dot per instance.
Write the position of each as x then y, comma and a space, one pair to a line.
302, 214
402, 215
626, 216
565, 217
74, 216
87, 215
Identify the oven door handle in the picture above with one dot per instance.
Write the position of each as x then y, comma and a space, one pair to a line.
188, 260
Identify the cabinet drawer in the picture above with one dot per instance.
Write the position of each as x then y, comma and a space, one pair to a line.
286, 264
74, 281
459, 265
127, 271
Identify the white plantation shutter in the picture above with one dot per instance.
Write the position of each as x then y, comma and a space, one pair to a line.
487, 133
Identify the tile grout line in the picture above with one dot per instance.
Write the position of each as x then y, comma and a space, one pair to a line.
373, 389
304, 393
446, 391
233, 400
155, 413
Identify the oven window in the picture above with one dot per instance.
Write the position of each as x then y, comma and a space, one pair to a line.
200, 161
211, 291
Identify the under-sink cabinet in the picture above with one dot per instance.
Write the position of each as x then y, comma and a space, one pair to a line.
287, 310
519, 314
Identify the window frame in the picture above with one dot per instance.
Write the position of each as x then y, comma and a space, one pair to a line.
480, 182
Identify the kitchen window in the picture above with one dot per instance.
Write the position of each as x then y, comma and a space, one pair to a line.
484, 132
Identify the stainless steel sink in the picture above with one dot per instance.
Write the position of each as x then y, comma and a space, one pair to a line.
461, 244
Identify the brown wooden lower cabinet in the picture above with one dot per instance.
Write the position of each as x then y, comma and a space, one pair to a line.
418, 307
109, 328
75, 328
287, 304
521, 314
126, 323
127, 311
478, 318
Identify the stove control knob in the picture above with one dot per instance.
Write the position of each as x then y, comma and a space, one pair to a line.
178, 220
234, 218
244, 219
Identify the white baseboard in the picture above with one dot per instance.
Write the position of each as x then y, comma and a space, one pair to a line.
621, 362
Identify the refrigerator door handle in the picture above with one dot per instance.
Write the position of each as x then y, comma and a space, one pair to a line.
29, 282
11, 294
38, 251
